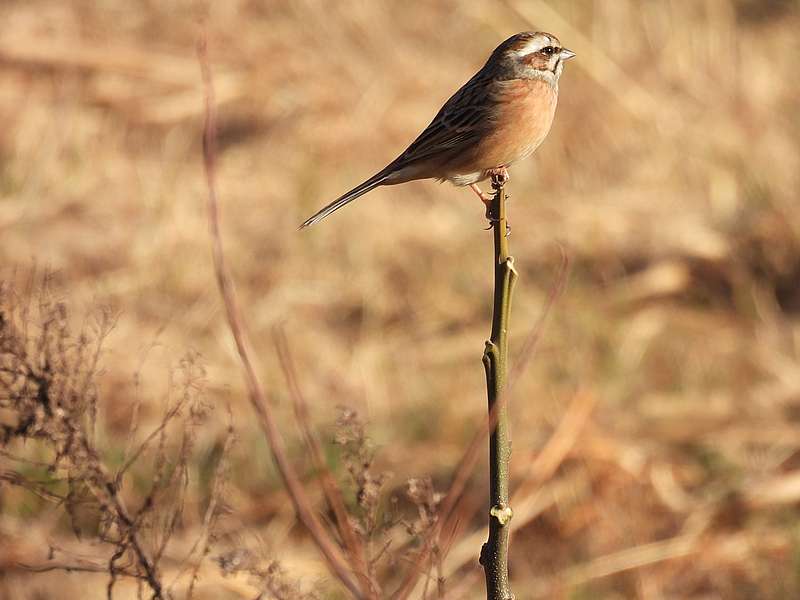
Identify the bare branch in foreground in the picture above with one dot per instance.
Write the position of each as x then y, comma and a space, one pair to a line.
78, 566
337, 562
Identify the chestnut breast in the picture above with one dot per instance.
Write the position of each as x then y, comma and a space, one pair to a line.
525, 110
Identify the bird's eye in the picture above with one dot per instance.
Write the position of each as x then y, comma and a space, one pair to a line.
549, 50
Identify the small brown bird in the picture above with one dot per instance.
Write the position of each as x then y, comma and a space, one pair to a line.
498, 117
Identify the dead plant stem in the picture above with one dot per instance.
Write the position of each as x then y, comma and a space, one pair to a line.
338, 564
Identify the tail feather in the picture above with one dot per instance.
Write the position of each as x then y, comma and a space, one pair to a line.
356, 192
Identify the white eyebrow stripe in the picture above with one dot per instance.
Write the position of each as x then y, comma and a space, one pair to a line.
534, 45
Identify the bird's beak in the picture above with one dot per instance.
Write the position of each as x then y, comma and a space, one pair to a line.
566, 54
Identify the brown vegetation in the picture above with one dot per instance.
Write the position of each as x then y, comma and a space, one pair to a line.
655, 429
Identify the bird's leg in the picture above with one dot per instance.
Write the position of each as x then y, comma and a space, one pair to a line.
499, 178
485, 198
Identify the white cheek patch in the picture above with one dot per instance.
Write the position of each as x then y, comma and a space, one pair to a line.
548, 76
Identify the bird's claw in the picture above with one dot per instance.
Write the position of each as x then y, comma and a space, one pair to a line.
499, 177
493, 222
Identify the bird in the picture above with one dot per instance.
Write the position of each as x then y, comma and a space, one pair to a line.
499, 117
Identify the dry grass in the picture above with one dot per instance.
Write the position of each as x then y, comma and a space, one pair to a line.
656, 432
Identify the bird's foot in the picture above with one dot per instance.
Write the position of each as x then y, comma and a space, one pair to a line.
493, 223
490, 216
485, 198
499, 177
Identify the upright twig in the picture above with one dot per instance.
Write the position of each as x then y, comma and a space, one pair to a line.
337, 562
494, 554
448, 506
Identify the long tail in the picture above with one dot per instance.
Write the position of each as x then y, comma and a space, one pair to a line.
359, 190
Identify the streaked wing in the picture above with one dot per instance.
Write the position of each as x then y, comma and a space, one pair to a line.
460, 123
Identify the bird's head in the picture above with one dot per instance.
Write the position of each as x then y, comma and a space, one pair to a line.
530, 55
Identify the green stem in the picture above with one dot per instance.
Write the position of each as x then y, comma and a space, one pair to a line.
494, 554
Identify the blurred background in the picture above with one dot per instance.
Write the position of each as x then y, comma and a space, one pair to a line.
666, 386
